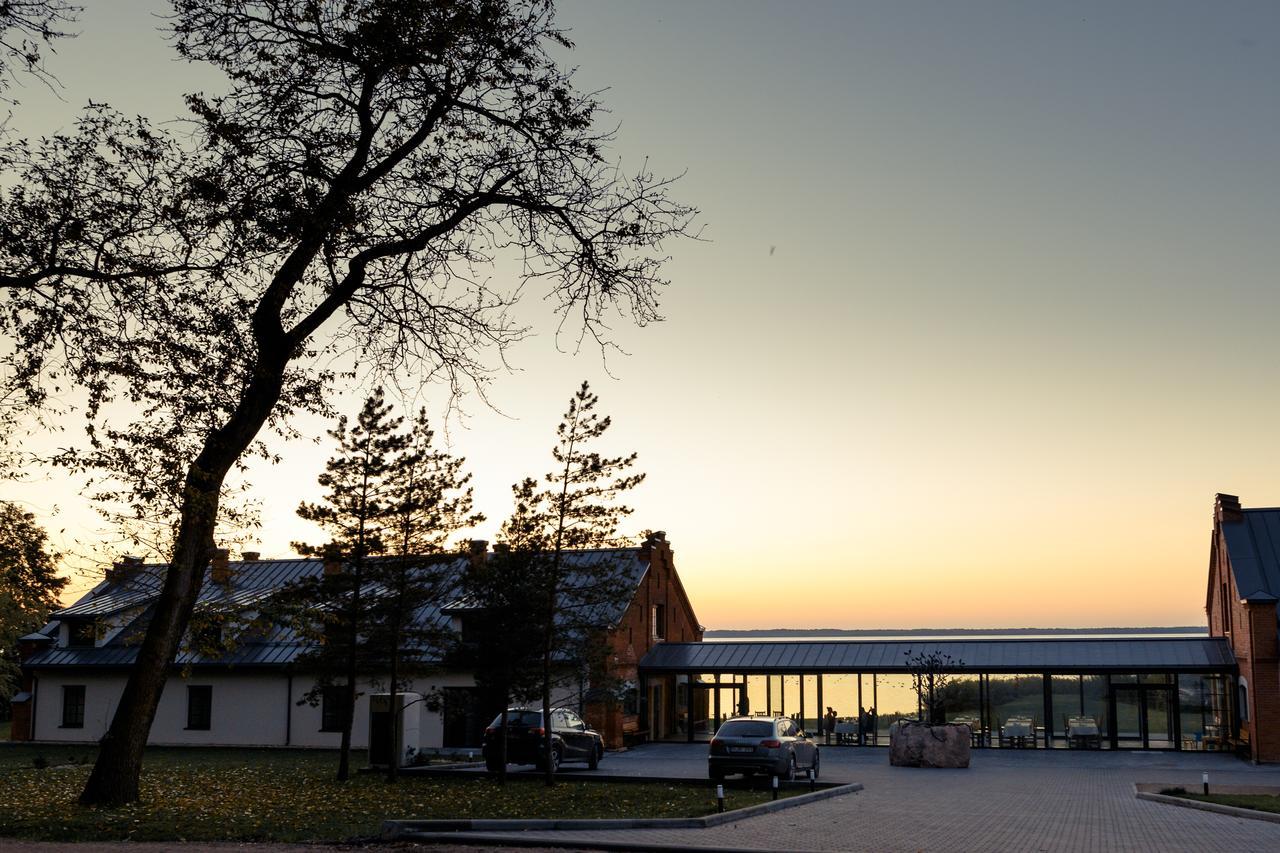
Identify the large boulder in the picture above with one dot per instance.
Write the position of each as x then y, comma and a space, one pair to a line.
913, 744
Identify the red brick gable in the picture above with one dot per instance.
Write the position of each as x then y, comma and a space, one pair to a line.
633, 635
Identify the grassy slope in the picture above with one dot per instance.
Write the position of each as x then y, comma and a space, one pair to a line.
279, 795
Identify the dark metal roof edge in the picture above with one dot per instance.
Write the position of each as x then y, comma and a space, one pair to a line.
1122, 638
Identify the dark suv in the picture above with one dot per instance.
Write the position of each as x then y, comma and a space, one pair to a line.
772, 745
571, 740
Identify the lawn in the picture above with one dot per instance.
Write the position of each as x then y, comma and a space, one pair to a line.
1258, 802
290, 795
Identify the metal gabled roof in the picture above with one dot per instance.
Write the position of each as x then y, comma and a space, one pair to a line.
253, 581
580, 566
1253, 547
1209, 654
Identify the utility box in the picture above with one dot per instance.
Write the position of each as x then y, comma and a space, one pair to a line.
409, 719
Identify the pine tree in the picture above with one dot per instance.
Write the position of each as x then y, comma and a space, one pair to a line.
503, 647
429, 500
356, 511
579, 509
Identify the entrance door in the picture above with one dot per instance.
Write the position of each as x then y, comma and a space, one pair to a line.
657, 712
1143, 717
1159, 702
1128, 718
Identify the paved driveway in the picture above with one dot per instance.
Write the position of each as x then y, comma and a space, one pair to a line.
1011, 800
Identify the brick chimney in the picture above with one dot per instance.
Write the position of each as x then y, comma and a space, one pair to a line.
656, 541
220, 566
251, 556
479, 547
502, 547
127, 565
332, 563
1226, 508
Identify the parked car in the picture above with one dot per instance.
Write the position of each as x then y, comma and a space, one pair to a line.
772, 745
571, 739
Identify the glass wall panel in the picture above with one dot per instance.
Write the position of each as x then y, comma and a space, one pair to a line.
1093, 690
1066, 703
811, 714
680, 709
1015, 710
791, 696
895, 700
1205, 716
757, 701
960, 703
840, 693
702, 705
866, 730
777, 707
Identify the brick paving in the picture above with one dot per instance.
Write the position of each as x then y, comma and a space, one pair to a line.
1014, 801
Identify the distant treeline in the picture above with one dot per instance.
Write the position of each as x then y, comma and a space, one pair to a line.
947, 632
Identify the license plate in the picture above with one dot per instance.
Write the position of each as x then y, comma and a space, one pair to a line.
742, 749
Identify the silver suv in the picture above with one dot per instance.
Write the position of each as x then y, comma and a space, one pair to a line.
771, 745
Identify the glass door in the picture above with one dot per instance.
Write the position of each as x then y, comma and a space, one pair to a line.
1159, 717
1127, 714
1144, 717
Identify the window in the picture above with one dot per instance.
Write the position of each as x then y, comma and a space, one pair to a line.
1242, 691
659, 618
81, 634
333, 708
1226, 611
199, 707
631, 701
73, 706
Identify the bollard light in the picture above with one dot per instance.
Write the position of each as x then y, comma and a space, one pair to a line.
720, 798
811, 779
775, 787
1204, 778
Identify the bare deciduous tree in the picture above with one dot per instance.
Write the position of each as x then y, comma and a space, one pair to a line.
367, 158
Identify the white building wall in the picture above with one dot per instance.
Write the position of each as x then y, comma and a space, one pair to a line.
248, 709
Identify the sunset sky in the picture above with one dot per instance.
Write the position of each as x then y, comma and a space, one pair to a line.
983, 316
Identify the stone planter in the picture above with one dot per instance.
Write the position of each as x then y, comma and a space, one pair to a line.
913, 744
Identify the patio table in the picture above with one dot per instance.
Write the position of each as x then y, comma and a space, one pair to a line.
1016, 731
1082, 733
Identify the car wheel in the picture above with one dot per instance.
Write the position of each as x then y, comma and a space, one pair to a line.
556, 757
597, 752
791, 768
493, 765
716, 775
815, 763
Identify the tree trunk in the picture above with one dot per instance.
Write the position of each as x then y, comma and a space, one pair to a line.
393, 770
504, 730
548, 769
349, 718
115, 776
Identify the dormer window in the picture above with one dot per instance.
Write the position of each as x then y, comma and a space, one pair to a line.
82, 634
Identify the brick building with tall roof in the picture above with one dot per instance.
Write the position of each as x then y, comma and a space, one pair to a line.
1243, 589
